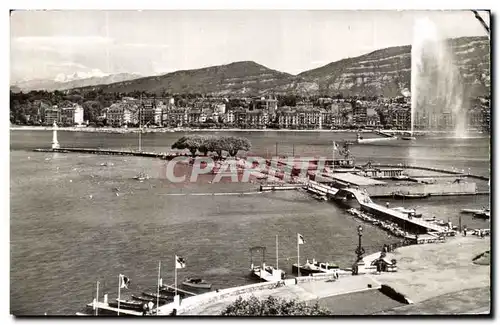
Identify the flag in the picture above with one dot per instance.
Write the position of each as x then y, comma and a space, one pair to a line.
335, 145
124, 281
180, 263
300, 238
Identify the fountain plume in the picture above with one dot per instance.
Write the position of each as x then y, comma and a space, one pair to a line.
436, 88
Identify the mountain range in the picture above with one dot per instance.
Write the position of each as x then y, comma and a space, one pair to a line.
75, 80
385, 72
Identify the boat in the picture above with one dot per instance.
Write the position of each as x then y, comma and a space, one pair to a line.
410, 212
160, 296
196, 284
316, 267
129, 304
320, 197
149, 299
411, 196
265, 272
408, 138
141, 176
473, 211
482, 215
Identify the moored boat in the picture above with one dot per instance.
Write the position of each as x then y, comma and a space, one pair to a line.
482, 215
198, 284
160, 296
148, 299
473, 211
411, 196
129, 304
316, 267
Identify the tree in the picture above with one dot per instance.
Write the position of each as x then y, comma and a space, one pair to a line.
234, 144
213, 144
190, 142
272, 307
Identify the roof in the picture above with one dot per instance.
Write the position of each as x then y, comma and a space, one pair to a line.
355, 179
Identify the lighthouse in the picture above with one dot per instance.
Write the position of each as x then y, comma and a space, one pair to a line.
55, 143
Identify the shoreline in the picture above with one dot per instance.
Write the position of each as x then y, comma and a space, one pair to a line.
179, 130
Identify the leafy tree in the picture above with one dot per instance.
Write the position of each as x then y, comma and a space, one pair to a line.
272, 307
190, 142
234, 144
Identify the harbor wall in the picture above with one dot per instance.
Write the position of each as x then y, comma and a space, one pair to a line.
212, 297
431, 189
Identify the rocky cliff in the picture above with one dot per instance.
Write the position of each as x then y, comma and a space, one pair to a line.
385, 72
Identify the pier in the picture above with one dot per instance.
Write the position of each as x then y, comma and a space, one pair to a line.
107, 307
366, 204
109, 152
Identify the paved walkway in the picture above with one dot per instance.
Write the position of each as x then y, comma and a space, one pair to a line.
303, 292
430, 270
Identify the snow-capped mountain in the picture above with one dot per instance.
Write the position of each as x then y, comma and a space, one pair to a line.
75, 80
80, 75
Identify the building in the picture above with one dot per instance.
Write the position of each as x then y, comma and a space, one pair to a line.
71, 115
360, 113
52, 115
194, 116
229, 117
256, 119
286, 118
115, 115
176, 117
372, 117
147, 111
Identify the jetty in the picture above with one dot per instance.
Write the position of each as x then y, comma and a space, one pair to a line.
109, 152
107, 307
366, 204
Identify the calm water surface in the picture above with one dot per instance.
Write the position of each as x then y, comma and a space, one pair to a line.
69, 229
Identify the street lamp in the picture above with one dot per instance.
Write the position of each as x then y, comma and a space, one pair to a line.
359, 252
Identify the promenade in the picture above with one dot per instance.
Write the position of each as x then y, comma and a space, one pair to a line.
310, 291
428, 274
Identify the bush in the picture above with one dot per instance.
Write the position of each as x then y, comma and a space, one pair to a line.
272, 307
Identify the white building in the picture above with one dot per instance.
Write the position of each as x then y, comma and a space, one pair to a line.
78, 114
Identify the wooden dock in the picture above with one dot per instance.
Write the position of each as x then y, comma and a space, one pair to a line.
105, 306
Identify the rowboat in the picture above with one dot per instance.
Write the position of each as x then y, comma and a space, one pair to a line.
129, 304
196, 284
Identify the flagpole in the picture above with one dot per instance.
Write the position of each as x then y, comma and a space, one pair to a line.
158, 289
298, 256
119, 291
276, 252
175, 275
97, 300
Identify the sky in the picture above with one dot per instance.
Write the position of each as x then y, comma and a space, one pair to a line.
54, 44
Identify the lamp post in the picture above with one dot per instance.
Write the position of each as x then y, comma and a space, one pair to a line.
359, 252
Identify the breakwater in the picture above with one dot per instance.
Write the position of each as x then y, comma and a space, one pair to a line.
433, 169
97, 151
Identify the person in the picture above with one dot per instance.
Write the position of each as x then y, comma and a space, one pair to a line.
387, 205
